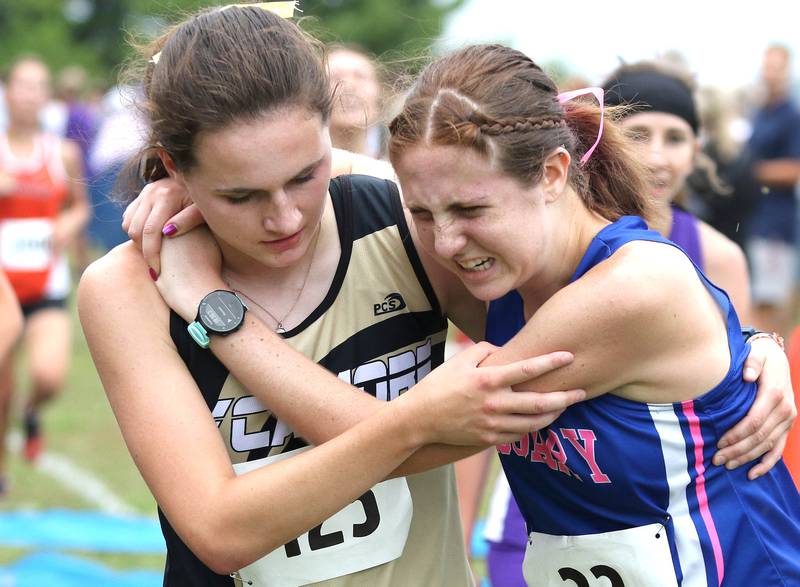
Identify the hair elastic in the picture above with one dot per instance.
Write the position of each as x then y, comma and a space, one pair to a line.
597, 93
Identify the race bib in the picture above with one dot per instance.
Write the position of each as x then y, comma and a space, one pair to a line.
625, 558
25, 244
369, 532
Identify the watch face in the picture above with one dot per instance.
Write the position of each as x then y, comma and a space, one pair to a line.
221, 312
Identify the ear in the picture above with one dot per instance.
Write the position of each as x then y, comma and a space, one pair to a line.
167, 161
555, 173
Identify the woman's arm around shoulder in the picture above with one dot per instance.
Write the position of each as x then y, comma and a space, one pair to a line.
175, 443
173, 439
635, 322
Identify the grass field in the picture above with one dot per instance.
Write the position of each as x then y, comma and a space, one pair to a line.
80, 426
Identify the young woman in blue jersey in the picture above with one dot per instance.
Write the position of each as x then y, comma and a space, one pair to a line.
511, 189
663, 123
239, 105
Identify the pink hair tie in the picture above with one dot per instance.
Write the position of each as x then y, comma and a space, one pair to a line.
597, 93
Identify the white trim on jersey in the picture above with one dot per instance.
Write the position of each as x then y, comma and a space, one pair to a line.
498, 509
687, 541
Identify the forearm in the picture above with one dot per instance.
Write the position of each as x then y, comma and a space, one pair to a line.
11, 320
318, 406
72, 221
292, 496
778, 172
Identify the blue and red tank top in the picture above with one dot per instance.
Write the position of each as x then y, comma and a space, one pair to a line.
610, 464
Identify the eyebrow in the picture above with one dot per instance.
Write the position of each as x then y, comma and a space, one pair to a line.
454, 206
241, 191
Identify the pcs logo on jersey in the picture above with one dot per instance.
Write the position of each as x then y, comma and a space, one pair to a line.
391, 303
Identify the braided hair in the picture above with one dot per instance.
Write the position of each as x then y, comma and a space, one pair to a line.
497, 101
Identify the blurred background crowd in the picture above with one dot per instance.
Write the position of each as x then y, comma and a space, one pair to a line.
60, 62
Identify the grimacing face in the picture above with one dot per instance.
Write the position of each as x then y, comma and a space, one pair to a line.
478, 222
261, 185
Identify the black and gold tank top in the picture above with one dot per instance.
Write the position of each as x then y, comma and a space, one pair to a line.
379, 328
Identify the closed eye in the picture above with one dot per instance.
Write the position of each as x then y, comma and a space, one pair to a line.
470, 211
303, 178
239, 199
421, 214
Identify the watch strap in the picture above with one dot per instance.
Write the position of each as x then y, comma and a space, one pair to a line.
199, 334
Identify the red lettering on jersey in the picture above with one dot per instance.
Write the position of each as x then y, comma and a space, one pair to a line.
550, 452
541, 452
522, 447
586, 451
504, 449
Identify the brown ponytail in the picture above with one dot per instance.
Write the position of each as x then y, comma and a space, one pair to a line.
219, 67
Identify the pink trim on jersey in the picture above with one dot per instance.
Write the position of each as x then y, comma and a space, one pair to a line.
700, 484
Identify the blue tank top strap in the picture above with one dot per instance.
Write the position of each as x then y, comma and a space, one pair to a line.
686, 234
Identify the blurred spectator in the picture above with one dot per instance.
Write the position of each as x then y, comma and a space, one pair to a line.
72, 85
774, 147
120, 134
11, 319
43, 208
725, 203
357, 106
81, 125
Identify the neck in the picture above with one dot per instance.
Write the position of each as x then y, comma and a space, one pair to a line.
568, 240
661, 219
21, 132
286, 295
775, 97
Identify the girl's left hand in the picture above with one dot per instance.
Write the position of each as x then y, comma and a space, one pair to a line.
763, 432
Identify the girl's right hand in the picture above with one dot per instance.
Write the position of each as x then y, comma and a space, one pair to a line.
159, 206
460, 403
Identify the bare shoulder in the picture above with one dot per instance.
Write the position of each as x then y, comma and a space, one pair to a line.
118, 279
640, 279
123, 262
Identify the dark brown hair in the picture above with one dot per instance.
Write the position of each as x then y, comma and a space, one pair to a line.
497, 101
220, 66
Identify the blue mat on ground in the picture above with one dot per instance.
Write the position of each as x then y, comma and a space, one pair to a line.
60, 570
479, 546
80, 530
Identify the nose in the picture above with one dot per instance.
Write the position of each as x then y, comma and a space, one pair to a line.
654, 153
449, 240
281, 215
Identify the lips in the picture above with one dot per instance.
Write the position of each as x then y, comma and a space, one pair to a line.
479, 264
285, 243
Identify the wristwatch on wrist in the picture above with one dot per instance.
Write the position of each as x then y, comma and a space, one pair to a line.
750, 334
748, 331
220, 312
